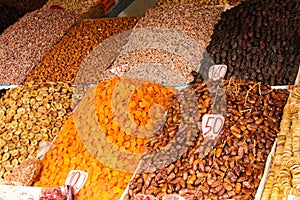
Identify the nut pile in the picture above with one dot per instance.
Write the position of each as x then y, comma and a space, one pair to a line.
157, 65
77, 6
67, 57
196, 21
259, 41
283, 179
169, 38
234, 168
25, 43
29, 114
8, 16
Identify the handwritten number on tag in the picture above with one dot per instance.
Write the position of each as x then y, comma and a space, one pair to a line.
217, 71
76, 179
212, 125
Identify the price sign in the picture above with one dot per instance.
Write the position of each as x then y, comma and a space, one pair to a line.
119, 71
76, 179
212, 125
292, 197
217, 71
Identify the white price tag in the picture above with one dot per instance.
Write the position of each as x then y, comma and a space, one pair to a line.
217, 71
76, 179
119, 71
212, 125
292, 197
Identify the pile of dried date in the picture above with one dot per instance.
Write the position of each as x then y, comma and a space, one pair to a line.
259, 40
181, 161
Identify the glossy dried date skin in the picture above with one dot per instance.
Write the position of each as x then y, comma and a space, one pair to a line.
256, 41
234, 167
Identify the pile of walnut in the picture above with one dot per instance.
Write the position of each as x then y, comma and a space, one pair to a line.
234, 166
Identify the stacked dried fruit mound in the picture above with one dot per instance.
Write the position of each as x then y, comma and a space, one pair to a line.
170, 39
210, 2
96, 140
65, 59
259, 41
25, 43
283, 179
233, 167
29, 114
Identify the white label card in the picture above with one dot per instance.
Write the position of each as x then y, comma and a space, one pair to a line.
76, 179
292, 197
119, 71
217, 71
212, 125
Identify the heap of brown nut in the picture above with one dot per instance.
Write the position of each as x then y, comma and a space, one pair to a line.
29, 114
233, 165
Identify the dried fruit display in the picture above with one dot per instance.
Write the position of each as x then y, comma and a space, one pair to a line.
283, 179
70, 153
29, 114
66, 58
124, 128
25, 43
234, 168
259, 40
96, 132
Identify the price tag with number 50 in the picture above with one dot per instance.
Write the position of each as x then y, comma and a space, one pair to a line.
212, 125
76, 179
217, 71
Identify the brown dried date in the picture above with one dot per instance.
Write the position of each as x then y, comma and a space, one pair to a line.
234, 166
